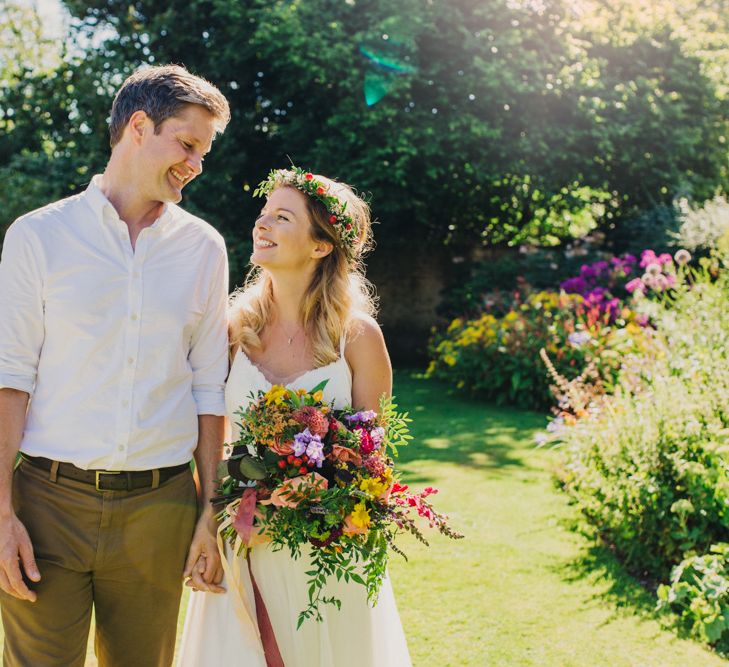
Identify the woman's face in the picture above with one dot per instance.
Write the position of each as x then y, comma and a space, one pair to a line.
282, 234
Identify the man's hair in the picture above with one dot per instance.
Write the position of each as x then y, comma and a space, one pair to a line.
161, 92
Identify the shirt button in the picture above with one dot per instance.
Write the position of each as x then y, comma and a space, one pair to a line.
125, 403
134, 317
121, 448
130, 361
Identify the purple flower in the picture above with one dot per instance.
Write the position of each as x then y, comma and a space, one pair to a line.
362, 416
315, 452
579, 338
574, 285
596, 295
613, 306
303, 440
600, 267
587, 271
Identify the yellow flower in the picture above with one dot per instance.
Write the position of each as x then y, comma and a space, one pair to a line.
377, 486
276, 394
360, 516
454, 325
318, 395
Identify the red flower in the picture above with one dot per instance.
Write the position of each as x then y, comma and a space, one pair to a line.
320, 190
349, 226
333, 219
309, 176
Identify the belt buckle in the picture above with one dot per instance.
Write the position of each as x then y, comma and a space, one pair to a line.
104, 472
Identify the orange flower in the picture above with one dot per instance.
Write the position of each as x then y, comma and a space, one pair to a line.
282, 448
292, 491
346, 455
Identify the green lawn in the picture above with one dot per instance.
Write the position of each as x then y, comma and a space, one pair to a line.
522, 588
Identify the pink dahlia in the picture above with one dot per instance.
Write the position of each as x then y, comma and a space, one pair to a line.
313, 419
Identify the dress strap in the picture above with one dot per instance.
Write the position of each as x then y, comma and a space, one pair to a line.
342, 343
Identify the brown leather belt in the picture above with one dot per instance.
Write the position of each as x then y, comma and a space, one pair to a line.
108, 480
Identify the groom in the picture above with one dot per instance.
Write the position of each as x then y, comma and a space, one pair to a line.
113, 356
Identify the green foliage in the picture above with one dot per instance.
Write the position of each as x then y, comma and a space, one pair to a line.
650, 468
501, 122
699, 591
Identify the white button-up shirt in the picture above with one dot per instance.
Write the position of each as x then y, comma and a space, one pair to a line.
120, 349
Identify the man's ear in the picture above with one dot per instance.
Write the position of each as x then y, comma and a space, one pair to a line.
322, 249
139, 124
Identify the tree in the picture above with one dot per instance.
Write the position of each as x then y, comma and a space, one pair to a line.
488, 122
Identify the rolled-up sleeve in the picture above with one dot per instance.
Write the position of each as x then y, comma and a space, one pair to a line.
21, 309
209, 350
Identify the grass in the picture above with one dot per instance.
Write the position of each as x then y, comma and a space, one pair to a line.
523, 588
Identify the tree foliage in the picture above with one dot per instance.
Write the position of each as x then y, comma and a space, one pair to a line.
489, 122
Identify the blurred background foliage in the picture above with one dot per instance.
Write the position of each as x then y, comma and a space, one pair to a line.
474, 125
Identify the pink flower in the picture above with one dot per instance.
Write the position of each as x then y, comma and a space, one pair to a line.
313, 419
633, 285
366, 445
647, 257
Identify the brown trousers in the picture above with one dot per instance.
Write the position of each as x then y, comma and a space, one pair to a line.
121, 551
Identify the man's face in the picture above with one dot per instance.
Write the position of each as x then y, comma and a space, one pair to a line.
172, 157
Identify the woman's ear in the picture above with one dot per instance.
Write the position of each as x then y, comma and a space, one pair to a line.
322, 249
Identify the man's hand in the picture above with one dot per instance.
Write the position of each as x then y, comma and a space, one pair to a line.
203, 569
16, 550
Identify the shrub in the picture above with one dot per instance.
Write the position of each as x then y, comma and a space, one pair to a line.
649, 467
495, 355
699, 592
704, 227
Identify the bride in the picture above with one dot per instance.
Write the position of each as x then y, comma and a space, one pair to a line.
304, 316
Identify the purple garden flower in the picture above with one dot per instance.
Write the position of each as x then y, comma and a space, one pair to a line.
315, 452
302, 440
363, 416
579, 338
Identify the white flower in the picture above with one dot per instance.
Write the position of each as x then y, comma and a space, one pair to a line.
682, 257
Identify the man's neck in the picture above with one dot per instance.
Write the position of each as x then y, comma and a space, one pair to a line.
123, 194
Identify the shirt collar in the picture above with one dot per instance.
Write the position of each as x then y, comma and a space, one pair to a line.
105, 210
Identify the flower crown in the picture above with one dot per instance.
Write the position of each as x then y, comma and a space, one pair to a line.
304, 181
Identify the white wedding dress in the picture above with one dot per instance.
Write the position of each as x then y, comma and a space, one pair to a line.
221, 629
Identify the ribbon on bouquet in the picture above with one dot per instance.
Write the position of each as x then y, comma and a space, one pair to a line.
240, 587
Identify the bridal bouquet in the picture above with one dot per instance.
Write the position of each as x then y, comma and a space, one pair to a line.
303, 474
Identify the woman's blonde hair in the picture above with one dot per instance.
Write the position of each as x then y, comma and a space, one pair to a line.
338, 291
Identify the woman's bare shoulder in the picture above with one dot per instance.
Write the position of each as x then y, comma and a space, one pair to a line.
365, 341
